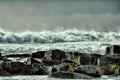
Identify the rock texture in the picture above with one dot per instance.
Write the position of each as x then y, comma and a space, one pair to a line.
61, 64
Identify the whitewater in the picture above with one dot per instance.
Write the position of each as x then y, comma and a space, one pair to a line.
66, 40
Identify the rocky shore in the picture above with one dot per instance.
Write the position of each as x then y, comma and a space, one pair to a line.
60, 64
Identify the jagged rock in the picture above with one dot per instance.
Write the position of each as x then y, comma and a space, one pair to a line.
82, 76
57, 54
38, 54
87, 69
64, 67
62, 75
87, 59
108, 64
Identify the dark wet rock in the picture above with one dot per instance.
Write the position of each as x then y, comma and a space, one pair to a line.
62, 75
39, 69
16, 67
64, 67
108, 64
26, 70
116, 58
105, 60
18, 55
87, 69
13, 67
57, 54
38, 54
89, 59
82, 76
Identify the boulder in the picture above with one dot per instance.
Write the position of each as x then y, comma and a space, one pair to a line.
89, 59
87, 69
108, 64
38, 54
57, 54
105, 60
62, 75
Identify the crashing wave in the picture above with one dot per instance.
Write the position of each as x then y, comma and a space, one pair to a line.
73, 35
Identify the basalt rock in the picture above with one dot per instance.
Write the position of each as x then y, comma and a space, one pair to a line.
38, 54
89, 59
105, 60
39, 69
57, 54
87, 69
108, 64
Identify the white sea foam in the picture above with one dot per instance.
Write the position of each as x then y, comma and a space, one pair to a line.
57, 36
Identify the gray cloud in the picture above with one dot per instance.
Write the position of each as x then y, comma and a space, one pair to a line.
19, 15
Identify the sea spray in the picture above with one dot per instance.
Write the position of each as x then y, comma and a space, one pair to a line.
74, 35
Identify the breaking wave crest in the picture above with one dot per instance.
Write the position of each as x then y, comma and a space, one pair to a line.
73, 35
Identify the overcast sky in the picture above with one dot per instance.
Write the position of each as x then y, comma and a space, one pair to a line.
37, 15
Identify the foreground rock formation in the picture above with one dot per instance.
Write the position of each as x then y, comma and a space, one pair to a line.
60, 64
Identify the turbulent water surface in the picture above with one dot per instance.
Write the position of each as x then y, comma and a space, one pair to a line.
70, 40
